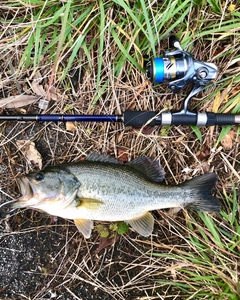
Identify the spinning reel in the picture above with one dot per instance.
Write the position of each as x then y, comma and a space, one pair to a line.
180, 69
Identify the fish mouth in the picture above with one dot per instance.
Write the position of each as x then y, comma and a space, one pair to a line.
29, 194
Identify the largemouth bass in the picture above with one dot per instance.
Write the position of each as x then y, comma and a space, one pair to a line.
101, 188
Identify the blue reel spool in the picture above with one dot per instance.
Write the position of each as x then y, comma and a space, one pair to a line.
155, 70
158, 69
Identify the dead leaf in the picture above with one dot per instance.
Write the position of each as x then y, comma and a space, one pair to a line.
17, 101
145, 130
53, 93
205, 167
204, 153
36, 86
173, 211
106, 243
122, 155
70, 126
29, 150
227, 141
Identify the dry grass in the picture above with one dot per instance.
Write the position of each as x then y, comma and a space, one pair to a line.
187, 257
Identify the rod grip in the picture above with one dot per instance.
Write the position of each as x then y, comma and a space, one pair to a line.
140, 118
184, 119
220, 119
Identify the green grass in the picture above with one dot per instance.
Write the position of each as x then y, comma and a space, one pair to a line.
210, 268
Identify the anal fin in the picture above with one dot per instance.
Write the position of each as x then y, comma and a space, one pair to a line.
84, 226
143, 225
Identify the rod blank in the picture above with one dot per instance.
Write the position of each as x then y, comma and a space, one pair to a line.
63, 118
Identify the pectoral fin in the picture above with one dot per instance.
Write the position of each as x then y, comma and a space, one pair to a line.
89, 203
84, 226
143, 225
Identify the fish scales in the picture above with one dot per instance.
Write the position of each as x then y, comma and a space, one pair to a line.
125, 193
100, 188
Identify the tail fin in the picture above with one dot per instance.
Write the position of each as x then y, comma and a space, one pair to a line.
202, 199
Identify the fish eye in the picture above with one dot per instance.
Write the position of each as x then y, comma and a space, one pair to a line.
39, 176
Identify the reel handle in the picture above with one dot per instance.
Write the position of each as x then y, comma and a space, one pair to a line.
174, 42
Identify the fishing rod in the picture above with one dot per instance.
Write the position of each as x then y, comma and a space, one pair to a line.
178, 68
138, 118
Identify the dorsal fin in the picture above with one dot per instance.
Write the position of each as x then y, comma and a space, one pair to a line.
94, 156
148, 167
151, 169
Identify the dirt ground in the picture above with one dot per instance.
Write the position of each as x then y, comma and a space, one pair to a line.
44, 257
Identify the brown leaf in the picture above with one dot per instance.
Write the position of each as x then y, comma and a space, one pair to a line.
205, 167
205, 152
106, 243
227, 141
17, 101
173, 211
70, 126
53, 93
145, 130
122, 155
36, 86
232, 134
29, 150
38, 89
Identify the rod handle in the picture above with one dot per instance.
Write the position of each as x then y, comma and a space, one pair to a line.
140, 118
220, 119
151, 118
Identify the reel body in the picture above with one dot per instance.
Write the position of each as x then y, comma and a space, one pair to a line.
179, 69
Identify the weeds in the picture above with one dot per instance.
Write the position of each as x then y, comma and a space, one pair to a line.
110, 231
210, 270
